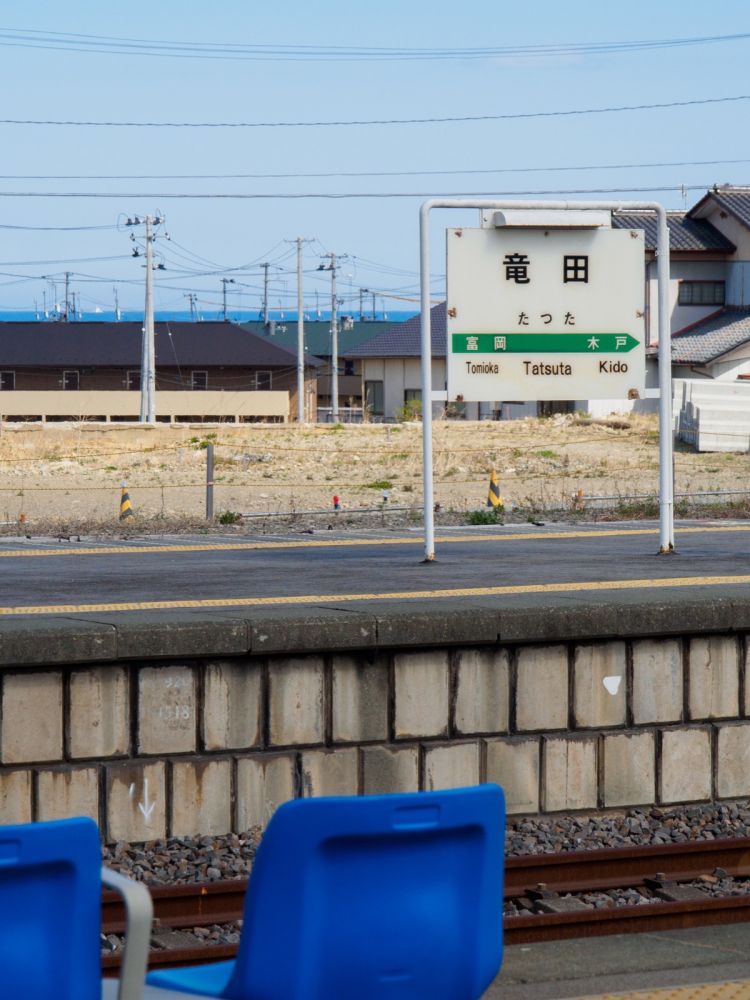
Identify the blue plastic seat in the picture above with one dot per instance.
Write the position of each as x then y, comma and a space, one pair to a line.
50, 915
383, 897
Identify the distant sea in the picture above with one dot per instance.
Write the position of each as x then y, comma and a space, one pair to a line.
181, 316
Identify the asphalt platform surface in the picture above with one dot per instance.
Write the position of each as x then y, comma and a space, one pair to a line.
588, 967
553, 564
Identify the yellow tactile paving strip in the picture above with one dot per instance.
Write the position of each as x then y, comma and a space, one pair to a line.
340, 543
735, 990
399, 595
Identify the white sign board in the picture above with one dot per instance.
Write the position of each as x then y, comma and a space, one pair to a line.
545, 314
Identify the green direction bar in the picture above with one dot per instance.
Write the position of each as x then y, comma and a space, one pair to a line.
543, 343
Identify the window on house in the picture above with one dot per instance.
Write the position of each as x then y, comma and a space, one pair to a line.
374, 400
410, 394
7, 381
71, 380
199, 380
701, 293
133, 379
348, 368
262, 381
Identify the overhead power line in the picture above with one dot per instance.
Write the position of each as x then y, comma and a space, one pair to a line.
297, 196
113, 45
513, 116
363, 173
56, 229
72, 260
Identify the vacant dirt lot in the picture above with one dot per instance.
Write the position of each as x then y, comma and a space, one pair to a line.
71, 474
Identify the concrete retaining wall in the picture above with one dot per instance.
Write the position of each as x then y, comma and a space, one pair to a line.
198, 724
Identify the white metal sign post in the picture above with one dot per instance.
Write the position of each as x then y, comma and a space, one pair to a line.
548, 314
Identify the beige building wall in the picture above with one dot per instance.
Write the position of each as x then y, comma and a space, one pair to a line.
176, 405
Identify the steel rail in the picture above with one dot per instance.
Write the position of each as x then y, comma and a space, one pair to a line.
198, 904
649, 918
179, 906
173, 957
615, 867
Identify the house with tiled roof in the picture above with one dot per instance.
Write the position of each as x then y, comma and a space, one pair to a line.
709, 287
709, 308
716, 344
699, 252
391, 373
202, 369
352, 333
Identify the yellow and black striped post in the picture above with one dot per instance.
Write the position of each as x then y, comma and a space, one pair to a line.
126, 507
494, 500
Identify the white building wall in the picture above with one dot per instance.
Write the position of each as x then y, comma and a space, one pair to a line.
683, 270
398, 375
393, 388
373, 369
729, 367
732, 229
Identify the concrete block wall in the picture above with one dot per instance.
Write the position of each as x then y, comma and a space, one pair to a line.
183, 745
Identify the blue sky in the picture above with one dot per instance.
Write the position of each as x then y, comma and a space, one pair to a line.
379, 235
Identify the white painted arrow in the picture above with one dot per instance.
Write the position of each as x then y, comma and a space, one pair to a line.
144, 806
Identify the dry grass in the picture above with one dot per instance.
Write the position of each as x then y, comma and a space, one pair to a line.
69, 476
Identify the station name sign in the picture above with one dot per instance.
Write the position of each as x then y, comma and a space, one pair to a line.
545, 314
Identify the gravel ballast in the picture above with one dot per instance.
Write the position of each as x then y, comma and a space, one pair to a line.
208, 859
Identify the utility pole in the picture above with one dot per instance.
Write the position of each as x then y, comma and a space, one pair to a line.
192, 298
118, 314
148, 358
334, 345
55, 303
362, 293
300, 242
300, 338
66, 309
334, 333
148, 375
224, 283
374, 312
265, 293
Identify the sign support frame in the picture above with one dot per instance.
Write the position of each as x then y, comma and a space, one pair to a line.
666, 444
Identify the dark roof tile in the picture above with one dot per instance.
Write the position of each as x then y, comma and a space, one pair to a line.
735, 200
711, 338
403, 340
684, 233
119, 345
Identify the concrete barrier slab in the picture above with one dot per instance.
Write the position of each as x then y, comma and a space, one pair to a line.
51, 640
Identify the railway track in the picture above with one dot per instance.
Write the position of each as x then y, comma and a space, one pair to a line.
545, 888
